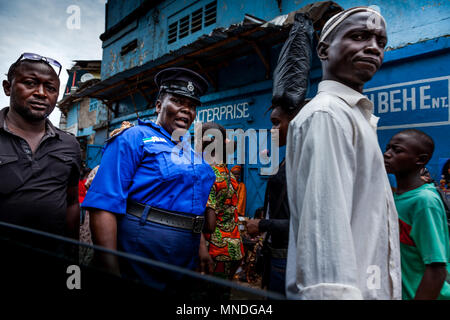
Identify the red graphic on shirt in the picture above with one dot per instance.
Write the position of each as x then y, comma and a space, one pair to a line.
405, 230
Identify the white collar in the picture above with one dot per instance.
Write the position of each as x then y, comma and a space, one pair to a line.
350, 96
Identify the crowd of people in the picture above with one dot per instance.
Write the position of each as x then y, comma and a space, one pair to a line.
330, 228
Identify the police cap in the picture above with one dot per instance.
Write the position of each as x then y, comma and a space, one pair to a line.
181, 81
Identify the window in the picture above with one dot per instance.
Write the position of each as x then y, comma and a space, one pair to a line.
93, 105
210, 13
128, 47
193, 22
197, 20
183, 29
173, 28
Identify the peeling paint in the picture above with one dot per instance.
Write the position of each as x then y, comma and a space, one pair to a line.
412, 43
113, 60
401, 15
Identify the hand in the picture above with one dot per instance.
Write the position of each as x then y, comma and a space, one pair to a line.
107, 262
206, 264
252, 227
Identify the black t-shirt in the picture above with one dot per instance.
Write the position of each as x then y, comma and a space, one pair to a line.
276, 198
33, 187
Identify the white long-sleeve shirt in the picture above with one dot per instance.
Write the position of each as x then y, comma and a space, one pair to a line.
343, 237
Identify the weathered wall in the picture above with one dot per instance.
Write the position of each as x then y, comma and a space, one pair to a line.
244, 94
409, 21
86, 118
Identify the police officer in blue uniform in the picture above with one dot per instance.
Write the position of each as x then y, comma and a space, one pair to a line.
149, 195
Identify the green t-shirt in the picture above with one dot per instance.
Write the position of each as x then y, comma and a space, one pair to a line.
424, 237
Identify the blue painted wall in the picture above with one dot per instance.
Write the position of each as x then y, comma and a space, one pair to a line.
72, 115
117, 10
413, 92
243, 97
408, 22
422, 68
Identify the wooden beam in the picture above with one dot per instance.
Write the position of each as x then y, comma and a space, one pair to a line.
127, 93
132, 100
213, 82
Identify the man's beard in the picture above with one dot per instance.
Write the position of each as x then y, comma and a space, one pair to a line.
29, 115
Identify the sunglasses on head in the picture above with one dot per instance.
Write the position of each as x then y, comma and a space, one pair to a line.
36, 57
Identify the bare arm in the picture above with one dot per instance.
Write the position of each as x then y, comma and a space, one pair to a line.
73, 213
210, 221
104, 233
252, 227
432, 282
278, 226
104, 228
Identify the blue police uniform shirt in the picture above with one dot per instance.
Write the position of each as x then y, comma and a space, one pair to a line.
138, 165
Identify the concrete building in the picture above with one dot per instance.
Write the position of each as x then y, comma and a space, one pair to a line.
80, 113
235, 44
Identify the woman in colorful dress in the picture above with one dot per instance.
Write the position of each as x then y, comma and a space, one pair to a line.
221, 252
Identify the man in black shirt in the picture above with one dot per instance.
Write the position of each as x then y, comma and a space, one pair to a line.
276, 211
39, 164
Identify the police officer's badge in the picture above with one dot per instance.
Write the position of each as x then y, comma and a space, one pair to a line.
190, 86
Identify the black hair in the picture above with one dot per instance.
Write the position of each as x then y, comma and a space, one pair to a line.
445, 171
259, 213
424, 143
161, 95
291, 113
13, 68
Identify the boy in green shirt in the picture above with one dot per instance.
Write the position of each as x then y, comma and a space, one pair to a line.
424, 236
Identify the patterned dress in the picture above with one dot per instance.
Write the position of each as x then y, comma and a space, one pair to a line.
225, 244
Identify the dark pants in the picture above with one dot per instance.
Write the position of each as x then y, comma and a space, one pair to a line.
156, 242
277, 277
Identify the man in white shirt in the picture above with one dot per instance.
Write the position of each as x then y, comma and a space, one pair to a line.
343, 238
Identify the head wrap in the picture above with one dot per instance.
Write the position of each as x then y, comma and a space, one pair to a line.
236, 169
125, 125
337, 19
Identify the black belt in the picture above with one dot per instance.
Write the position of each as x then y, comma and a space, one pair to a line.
167, 218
